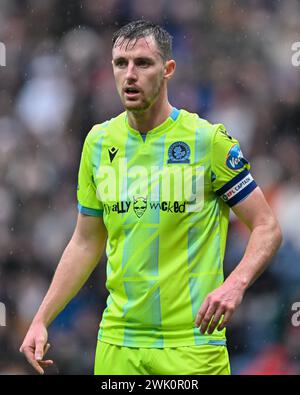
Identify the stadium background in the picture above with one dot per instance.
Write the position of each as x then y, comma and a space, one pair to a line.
233, 66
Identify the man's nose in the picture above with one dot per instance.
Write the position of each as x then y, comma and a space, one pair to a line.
131, 72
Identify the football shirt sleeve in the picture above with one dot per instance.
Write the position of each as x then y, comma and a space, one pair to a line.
231, 179
88, 203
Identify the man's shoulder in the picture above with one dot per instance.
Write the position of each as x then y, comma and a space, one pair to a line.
99, 130
194, 120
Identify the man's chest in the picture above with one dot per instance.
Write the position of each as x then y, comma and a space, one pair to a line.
164, 168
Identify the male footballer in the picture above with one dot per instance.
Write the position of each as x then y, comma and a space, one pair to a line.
155, 188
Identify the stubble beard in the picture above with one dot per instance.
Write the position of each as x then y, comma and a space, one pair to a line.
146, 103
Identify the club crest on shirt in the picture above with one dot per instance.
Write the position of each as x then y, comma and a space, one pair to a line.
234, 158
179, 152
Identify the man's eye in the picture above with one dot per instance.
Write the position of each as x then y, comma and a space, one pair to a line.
120, 63
143, 63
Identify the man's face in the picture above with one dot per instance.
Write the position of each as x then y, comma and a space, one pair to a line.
138, 70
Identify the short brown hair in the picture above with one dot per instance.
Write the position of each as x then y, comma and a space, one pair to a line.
142, 28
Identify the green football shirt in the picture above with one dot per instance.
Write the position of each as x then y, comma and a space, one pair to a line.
165, 198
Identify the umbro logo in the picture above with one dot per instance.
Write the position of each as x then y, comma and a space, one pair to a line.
112, 153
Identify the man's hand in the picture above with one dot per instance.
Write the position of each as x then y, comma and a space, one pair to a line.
221, 302
86, 245
35, 347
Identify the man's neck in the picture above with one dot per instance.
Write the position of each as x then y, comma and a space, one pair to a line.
149, 119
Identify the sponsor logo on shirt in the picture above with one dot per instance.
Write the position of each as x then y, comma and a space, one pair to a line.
139, 205
234, 158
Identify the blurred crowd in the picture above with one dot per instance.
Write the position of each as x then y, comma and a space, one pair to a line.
233, 66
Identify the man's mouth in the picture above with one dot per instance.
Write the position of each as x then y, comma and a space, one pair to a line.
131, 92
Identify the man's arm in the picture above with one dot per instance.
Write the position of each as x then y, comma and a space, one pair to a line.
264, 241
78, 260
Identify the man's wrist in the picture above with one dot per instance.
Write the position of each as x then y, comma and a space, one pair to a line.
238, 281
39, 320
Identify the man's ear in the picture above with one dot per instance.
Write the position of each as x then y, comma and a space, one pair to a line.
169, 69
